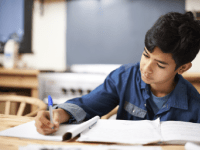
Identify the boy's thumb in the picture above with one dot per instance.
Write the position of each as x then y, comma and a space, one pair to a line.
56, 121
56, 118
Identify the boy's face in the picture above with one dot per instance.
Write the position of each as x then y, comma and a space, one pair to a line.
157, 68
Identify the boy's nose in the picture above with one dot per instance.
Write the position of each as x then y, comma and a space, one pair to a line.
148, 68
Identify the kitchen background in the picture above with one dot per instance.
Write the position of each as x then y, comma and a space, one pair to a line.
87, 31
81, 36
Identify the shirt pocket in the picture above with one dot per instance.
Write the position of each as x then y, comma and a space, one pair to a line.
134, 110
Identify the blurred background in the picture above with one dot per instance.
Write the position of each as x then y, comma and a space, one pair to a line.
64, 39
55, 34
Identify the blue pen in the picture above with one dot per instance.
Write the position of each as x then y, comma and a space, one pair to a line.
50, 104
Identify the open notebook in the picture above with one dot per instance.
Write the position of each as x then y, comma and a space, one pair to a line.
116, 131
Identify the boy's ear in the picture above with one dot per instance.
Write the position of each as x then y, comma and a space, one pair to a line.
184, 68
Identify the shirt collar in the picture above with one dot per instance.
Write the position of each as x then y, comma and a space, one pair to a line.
145, 87
143, 84
178, 97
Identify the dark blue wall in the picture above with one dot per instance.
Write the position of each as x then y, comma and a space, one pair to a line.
112, 32
11, 18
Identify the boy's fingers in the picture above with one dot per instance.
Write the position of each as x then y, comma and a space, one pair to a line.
42, 130
56, 121
43, 123
45, 131
42, 120
45, 120
56, 126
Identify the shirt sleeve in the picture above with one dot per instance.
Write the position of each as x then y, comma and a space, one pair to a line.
77, 114
98, 102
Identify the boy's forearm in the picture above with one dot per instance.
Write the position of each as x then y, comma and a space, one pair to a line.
64, 116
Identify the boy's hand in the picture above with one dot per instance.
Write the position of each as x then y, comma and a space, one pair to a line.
43, 124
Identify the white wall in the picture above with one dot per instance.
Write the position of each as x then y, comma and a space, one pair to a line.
48, 37
192, 5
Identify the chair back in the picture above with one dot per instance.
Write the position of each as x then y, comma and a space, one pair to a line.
23, 100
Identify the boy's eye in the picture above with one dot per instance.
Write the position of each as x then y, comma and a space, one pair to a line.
161, 66
146, 55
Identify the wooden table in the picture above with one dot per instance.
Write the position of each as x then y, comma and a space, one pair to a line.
12, 143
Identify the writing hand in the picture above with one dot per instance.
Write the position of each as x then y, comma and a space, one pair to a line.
43, 124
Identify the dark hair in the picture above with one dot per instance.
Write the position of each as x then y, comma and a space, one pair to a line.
175, 33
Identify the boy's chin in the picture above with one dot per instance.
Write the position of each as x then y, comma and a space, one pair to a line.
147, 81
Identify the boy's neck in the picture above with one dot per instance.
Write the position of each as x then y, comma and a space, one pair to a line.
161, 90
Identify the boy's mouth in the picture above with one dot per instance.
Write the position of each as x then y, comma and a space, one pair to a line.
145, 76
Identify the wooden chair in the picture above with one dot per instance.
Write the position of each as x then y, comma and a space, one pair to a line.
23, 100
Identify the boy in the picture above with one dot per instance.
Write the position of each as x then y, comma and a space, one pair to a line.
147, 90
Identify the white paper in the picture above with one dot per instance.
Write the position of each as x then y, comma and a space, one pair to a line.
116, 131
178, 132
123, 131
191, 146
28, 130
88, 147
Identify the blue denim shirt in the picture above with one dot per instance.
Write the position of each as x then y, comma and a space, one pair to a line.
124, 87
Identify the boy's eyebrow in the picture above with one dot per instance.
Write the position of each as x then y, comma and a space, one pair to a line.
145, 49
162, 62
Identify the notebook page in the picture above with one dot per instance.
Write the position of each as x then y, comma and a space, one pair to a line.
123, 131
191, 146
179, 132
28, 131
